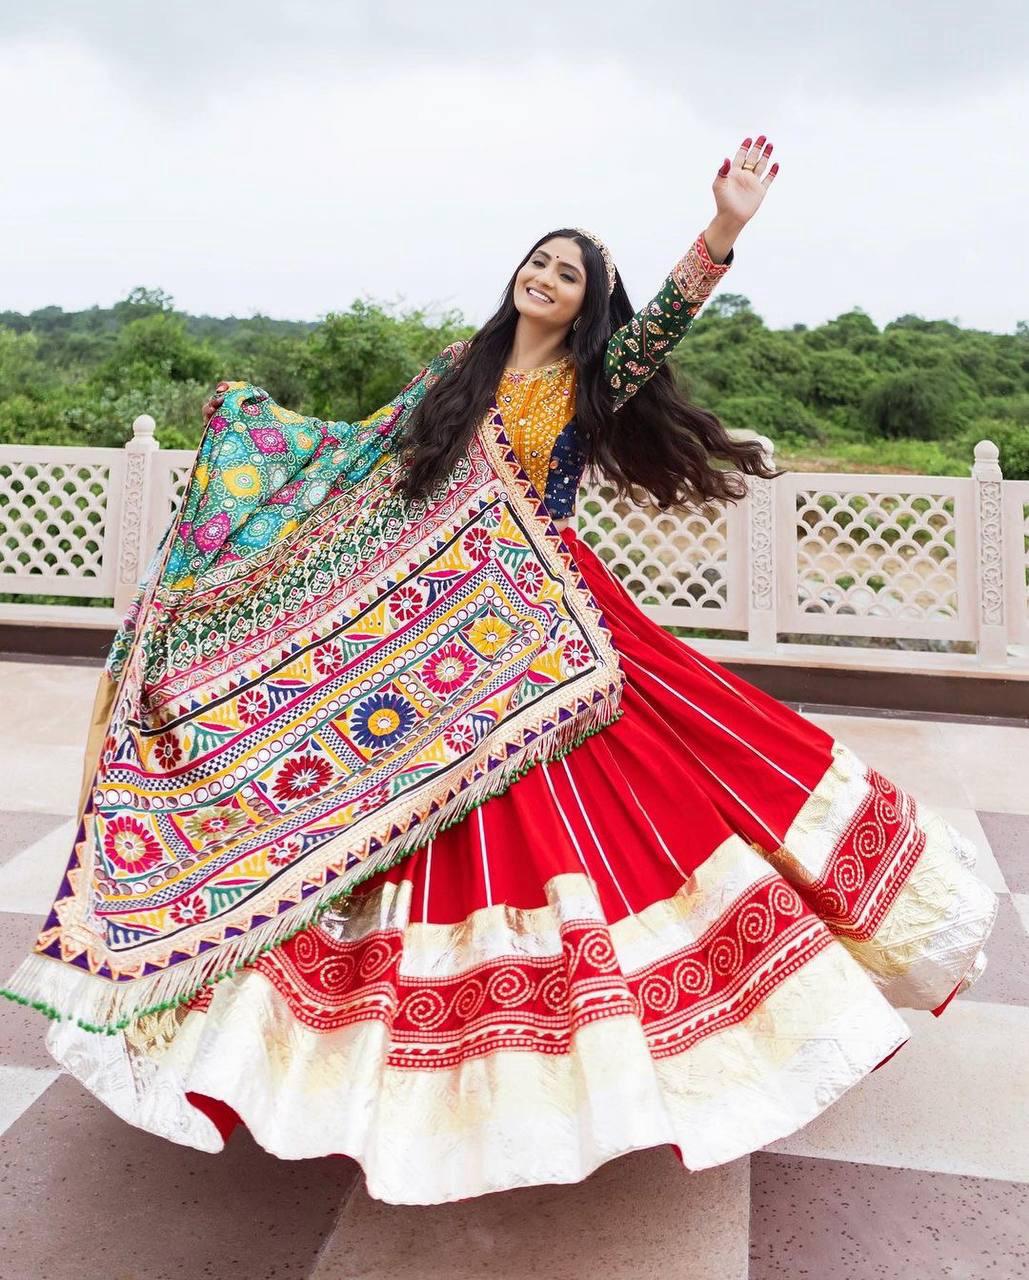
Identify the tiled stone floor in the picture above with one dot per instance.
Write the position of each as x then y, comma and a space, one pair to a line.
920, 1171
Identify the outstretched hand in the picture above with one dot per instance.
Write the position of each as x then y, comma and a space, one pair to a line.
740, 187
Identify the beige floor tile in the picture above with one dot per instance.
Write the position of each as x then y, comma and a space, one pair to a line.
43, 779
19, 1089
640, 1216
910, 753
994, 764
95, 1199
967, 822
955, 1099
29, 880
44, 703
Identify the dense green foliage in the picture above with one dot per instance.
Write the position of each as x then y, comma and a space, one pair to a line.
914, 396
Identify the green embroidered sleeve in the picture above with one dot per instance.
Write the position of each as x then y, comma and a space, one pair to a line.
638, 349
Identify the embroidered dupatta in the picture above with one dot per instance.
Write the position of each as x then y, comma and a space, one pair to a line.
315, 677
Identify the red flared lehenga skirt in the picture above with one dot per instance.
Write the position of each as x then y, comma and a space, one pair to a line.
692, 930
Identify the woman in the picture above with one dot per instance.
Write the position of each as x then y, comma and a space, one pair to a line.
689, 922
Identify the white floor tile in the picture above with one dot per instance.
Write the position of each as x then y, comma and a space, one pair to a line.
1021, 903
19, 1089
993, 761
46, 703
29, 880
638, 1216
986, 868
910, 753
955, 1099
45, 779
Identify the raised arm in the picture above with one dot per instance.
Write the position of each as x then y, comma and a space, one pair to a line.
639, 348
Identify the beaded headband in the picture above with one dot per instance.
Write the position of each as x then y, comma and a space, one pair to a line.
605, 253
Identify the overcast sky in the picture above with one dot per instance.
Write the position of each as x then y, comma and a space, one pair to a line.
289, 157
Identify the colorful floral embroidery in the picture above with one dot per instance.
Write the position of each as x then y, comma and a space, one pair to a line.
488, 634
252, 706
407, 602
167, 751
189, 911
213, 824
448, 669
381, 720
301, 776
129, 846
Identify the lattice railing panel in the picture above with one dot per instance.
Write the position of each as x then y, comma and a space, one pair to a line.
172, 469
666, 560
877, 555
1017, 563
54, 517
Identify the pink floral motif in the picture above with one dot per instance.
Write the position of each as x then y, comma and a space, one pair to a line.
189, 910
185, 530
252, 706
406, 602
530, 578
460, 736
210, 536
328, 659
304, 775
218, 423
371, 801
285, 851
252, 410
167, 750
448, 669
130, 846
477, 544
269, 439
577, 654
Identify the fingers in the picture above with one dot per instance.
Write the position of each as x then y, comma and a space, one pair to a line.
753, 154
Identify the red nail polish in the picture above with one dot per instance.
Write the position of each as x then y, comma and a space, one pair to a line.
768, 150
760, 140
745, 142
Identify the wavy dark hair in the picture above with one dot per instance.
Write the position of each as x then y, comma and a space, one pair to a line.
658, 443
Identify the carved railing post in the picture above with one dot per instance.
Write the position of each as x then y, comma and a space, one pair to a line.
761, 611
988, 478
135, 510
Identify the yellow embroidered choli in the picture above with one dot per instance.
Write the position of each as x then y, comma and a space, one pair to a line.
536, 405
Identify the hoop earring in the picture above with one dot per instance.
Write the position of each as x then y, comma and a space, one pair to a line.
577, 319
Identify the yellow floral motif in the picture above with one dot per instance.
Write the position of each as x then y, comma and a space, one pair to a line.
285, 415
304, 441
489, 633
243, 482
202, 476
383, 722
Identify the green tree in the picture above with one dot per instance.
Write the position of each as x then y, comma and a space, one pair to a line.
912, 405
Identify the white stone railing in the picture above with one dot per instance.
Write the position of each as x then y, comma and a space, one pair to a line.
902, 561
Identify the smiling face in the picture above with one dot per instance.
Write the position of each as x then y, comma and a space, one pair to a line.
551, 286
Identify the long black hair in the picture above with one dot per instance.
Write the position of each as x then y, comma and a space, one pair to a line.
658, 443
